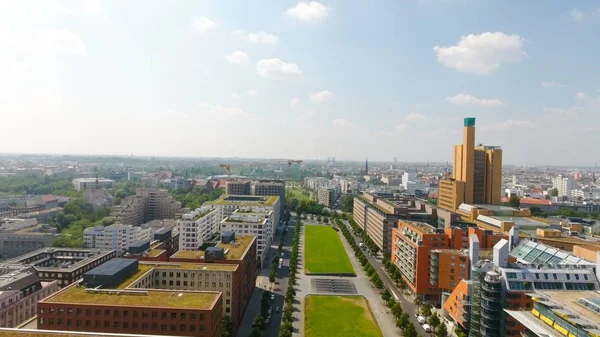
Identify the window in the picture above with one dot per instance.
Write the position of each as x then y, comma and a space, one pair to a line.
173, 327
154, 326
192, 328
182, 327
201, 317
145, 314
173, 315
106, 312
78, 312
201, 328
88, 323
193, 317
227, 301
163, 315
135, 314
78, 322
116, 313
97, 324
163, 327
125, 325
60, 321
126, 313
135, 325
106, 324
154, 315
50, 321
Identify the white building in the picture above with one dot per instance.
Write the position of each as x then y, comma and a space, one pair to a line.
250, 221
117, 237
564, 185
227, 204
196, 227
90, 183
314, 183
411, 183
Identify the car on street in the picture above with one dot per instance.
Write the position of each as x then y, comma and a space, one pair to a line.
426, 327
282, 254
277, 309
272, 297
421, 319
279, 266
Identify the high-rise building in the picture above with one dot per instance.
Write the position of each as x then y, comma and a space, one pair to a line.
196, 227
271, 187
116, 237
146, 205
477, 173
238, 187
564, 185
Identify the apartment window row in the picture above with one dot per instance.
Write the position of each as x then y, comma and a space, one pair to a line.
124, 313
213, 276
122, 325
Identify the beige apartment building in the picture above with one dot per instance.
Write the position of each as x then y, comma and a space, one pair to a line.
146, 205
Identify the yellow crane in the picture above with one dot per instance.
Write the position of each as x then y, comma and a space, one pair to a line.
227, 167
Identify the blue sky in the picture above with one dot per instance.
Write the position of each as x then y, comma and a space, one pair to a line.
348, 79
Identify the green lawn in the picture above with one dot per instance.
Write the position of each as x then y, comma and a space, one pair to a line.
324, 252
339, 316
298, 194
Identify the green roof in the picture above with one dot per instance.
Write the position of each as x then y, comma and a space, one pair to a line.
269, 201
150, 298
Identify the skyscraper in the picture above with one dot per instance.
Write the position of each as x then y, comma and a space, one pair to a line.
477, 173
366, 167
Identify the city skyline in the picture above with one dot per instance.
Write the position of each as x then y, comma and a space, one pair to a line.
300, 79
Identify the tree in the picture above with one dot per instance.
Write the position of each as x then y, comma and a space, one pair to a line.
326, 220
434, 321
386, 295
256, 332
347, 204
554, 192
402, 321
514, 201
259, 322
410, 331
536, 211
426, 310
272, 276
397, 310
441, 331
226, 326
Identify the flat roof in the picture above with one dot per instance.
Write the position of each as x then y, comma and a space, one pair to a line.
137, 298
155, 252
193, 266
142, 269
568, 300
450, 252
422, 226
80, 261
495, 207
521, 221
236, 251
251, 200
111, 267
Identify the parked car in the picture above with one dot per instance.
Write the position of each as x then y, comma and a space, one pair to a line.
426, 327
277, 309
421, 319
282, 254
272, 297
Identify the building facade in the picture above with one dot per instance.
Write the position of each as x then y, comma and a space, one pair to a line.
196, 227
116, 237
238, 187
21, 236
81, 184
146, 205
252, 222
564, 185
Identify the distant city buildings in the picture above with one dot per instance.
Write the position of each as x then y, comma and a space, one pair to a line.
327, 191
564, 185
116, 237
21, 236
146, 205
81, 184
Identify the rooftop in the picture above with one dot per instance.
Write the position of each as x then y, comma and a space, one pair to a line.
532, 252
193, 266
45, 254
450, 252
421, 226
138, 298
246, 200
155, 252
522, 221
234, 250
570, 300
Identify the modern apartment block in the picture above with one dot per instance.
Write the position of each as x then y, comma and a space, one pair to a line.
21, 236
238, 187
66, 265
564, 185
246, 221
378, 213
477, 173
146, 205
271, 187
81, 184
20, 290
327, 196
227, 204
314, 183
116, 237
196, 227
105, 301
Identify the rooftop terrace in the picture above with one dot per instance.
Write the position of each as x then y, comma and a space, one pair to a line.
234, 250
421, 226
246, 200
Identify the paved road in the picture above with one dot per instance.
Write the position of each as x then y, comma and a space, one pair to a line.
262, 285
407, 303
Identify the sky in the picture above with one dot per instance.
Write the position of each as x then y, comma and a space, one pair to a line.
301, 80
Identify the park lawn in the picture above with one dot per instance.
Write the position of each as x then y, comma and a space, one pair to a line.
324, 252
339, 316
297, 193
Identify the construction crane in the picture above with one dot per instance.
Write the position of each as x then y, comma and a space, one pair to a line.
227, 167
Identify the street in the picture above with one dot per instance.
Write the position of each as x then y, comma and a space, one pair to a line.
262, 285
407, 304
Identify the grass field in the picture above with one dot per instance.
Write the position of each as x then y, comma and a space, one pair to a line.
298, 194
324, 252
340, 316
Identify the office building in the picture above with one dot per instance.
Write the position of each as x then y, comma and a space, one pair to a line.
112, 298
564, 185
480, 304
66, 265
378, 213
146, 205
21, 236
238, 187
327, 196
246, 221
92, 183
227, 204
20, 290
271, 187
116, 237
560, 313
477, 173
197, 227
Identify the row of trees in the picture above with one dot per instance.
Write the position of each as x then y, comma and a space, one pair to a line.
195, 197
364, 237
287, 328
369, 270
19, 185
394, 273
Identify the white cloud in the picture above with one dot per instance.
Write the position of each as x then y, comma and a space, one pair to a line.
276, 67
510, 124
321, 96
219, 111
238, 32
53, 42
401, 127
238, 57
294, 102
252, 92
203, 24
552, 84
311, 113
577, 15
342, 123
481, 53
560, 113
464, 99
582, 96
414, 116
263, 38
235, 95
309, 11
